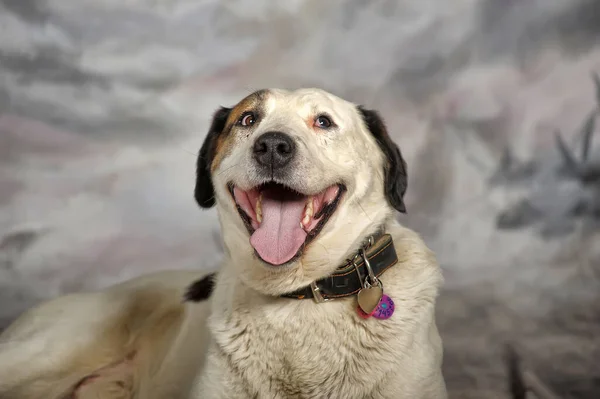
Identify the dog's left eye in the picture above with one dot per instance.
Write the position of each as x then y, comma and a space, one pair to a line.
323, 122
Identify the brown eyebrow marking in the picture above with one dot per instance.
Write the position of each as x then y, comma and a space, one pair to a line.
254, 102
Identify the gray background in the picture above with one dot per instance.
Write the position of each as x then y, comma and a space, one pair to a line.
104, 103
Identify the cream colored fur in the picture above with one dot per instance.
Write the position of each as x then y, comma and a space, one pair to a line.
139, 337
259, 345
281, 348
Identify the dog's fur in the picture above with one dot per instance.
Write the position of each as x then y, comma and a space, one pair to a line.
139, 340
138, 336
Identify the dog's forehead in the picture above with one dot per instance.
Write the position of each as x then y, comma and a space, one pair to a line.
307, 101
303, 102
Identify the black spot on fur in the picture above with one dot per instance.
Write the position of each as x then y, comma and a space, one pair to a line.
396, 177
200, 290
204, 191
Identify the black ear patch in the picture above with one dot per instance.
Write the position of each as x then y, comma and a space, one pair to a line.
204, 191
200, 290
396, 177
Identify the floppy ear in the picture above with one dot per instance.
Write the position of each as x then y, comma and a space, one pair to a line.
396, 178
205, 191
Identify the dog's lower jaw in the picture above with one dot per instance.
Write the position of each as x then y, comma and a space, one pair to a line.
269, 347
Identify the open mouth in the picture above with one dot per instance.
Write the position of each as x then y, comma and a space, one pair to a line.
282, 221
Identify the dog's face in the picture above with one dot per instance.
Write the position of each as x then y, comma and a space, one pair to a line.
300, 179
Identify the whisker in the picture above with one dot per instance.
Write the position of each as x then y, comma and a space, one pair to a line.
363, 210
211, 198
226, 169
326, 250
188, 151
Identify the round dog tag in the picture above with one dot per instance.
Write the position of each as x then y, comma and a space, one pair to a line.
385, 309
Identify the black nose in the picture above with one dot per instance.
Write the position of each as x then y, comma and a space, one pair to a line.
274, 149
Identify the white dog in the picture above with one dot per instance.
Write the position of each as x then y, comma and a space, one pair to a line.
322, 293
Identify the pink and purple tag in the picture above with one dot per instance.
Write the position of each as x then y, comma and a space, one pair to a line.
385, 309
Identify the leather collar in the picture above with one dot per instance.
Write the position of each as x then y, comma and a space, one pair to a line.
347, 279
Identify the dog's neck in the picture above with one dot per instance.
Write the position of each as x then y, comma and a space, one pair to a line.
345, 281
375, 256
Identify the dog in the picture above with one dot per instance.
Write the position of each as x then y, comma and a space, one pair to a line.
322, 293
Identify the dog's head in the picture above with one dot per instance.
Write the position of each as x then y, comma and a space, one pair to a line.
300, 179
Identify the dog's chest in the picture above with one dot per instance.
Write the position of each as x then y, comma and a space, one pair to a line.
303, 354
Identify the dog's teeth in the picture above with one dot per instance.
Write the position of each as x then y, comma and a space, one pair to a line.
258, 209
310, 206
305, 221
308, 212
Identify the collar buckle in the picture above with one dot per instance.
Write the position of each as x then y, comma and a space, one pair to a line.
316, 291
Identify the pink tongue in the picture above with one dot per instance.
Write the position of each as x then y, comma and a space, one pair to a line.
279, 236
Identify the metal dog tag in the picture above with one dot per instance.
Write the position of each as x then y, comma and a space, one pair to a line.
369, 298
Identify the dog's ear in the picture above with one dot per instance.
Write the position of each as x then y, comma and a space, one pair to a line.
204, 191
396, 178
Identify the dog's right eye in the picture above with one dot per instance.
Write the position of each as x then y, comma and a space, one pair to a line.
247, 119
323, 122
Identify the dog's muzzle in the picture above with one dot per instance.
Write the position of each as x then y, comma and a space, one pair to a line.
273, 151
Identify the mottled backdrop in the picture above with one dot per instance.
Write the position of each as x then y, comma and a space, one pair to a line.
104, 103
